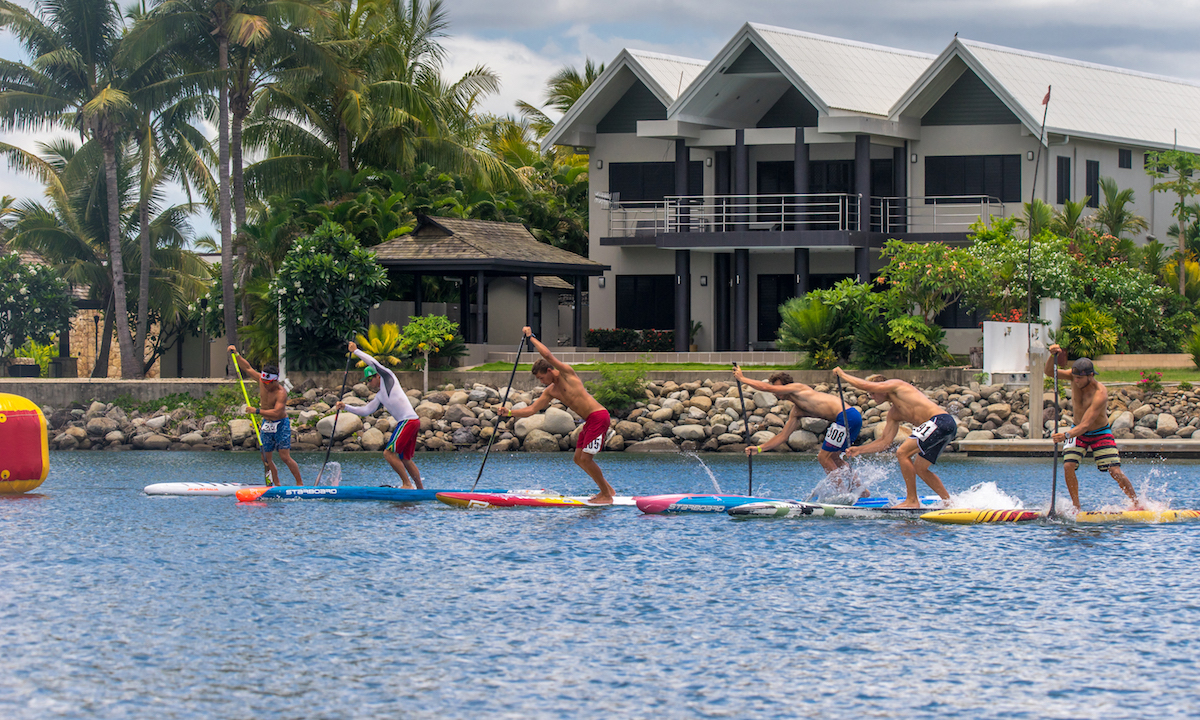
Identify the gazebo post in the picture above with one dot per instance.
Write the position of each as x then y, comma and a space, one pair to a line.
577, 313
417, 283
480, 327
529, 298
464, 307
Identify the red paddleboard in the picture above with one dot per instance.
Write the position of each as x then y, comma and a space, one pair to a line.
499, 500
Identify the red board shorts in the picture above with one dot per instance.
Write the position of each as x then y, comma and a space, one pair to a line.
403, 441
591, 438
1102, 445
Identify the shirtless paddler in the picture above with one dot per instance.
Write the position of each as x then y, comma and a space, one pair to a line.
276, 431
562, 383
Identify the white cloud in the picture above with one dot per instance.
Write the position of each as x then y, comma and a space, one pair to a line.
522, 70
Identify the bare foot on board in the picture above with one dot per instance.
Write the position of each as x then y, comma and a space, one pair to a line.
600, 500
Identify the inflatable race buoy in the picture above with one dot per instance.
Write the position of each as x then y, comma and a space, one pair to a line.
25, 455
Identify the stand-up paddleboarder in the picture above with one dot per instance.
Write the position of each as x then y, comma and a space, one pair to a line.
402, 445
276, 431
562, 383
844, 426
932, 426
1089, 403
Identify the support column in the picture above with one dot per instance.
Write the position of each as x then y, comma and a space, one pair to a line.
529, 300
577, 312
683, 299
682, 155
800, 178
464, 308
480, 320
741, 300
721, 186
800, 267
721, 287
862, 179
418, 295
898, 217
862, 264
741, 178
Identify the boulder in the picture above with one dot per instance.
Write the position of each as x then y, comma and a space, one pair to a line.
118, 415
764, 399
730, 438
558, 422
1142, 411
116, 436
653, 445
689, 432
629, 430
816, 426
157, 423
101, 425
1000, 410
66, 441
803, 440
192, 438
437, 398
980, 435
457, 411
463, 436
1145, 433
662, 414
1008, 431
1167, 425
347, 425
734, 404
239, 430
527, 425
307, 417
704, 403
539, 441
372, 439
761, 437
615, 443
655, 428
433, 411
354, 401
459, 397
96, 409
156, 442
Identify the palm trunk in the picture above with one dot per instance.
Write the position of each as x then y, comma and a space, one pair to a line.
239, 197
143, 310
100, 369
227, 299
116, 264
1182, 252
343, 146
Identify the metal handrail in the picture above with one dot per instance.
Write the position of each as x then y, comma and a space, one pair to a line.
928, 213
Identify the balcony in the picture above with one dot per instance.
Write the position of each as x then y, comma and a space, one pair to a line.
824, 219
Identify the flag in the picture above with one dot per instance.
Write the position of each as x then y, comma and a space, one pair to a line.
1046, 99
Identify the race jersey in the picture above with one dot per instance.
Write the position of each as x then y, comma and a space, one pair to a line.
390, 395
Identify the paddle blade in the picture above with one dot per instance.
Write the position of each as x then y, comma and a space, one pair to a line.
332, 475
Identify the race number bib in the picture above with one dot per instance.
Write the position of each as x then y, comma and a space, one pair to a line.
1070, 443
924, 430
270, 427
836, 435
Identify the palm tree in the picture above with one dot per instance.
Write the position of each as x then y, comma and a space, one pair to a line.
1114, 216
1069, 221
1038, 216
565, 87
76, 84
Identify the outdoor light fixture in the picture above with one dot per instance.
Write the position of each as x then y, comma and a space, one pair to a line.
913, 158
707, 162
703, 281
1028, 154
599, 164
600, 282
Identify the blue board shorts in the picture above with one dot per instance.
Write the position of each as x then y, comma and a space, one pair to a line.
844, 430
276, 435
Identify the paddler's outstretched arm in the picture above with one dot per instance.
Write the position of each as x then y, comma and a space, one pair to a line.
544, 351
872, 387
372, 406
1064, 374
882, 441
245, 364
538, 405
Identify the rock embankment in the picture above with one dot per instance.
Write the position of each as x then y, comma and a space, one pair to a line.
698, 416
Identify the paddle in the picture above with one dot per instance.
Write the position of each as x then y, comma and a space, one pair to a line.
844, 419
1054, 478
746, 434
253, 418
496, 429
349, 359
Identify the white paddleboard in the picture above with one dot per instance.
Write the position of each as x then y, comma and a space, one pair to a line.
195, 488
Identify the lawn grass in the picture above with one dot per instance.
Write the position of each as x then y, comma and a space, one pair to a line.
1169, 375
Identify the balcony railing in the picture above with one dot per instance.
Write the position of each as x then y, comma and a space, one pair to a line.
823, 211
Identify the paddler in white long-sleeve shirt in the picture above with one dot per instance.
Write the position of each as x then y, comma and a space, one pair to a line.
402, 444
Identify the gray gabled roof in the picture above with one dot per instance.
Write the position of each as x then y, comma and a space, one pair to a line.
664, 75
1087, 100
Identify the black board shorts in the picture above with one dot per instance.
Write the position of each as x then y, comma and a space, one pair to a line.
933, 434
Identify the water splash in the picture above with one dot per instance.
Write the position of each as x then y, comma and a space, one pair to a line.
707, 469
986, 496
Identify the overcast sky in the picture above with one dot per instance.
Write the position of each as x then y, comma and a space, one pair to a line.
526, 41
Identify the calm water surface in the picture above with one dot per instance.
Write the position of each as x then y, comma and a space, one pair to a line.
119, 605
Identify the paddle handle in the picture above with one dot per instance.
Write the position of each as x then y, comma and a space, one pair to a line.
253, 418
746, 434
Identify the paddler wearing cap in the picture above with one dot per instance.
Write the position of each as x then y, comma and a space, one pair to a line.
1089, 406
402, 444
276, 431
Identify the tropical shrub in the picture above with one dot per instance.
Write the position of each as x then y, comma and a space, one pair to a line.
35, 304
1088, 331
39, 353
1150, 381
325, 289
928, 276
808, 325
1192, 347
619, 387
613, 340
381, 343
658, 341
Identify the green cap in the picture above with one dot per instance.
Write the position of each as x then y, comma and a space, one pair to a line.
368, 371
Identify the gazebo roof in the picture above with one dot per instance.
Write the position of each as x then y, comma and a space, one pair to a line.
442, 244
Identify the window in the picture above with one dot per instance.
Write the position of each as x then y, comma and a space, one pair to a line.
646, 302
952, 176
1064, 179
651, 181
956, 316
1091, 185
1124, 159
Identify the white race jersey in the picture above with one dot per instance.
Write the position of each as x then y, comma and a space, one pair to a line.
390, 395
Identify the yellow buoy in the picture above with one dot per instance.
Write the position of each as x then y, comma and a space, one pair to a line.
25, 459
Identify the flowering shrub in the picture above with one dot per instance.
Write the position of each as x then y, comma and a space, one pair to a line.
927, 275
1151, 382
34, 304
627, 340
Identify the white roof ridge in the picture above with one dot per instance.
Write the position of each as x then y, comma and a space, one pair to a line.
1077, 63
665, 56
840, 41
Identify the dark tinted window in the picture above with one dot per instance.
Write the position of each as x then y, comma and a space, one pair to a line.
1064, 179
652, 181
1091, 186
1125, 159
997, 176
646, 302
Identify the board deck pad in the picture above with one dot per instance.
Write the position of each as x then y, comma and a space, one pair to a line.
536, 498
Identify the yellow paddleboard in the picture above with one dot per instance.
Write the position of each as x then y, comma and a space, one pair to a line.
967, 516
1137, 516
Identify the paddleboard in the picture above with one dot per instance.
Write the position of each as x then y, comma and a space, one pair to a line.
797, 509
197, 488
680, 503
966, 516
340, 492
479, 500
